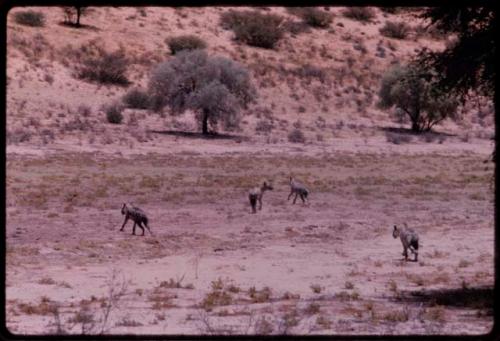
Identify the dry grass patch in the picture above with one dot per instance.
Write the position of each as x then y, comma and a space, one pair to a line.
45, 307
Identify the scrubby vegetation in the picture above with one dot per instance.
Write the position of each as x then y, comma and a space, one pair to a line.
313, 16
114, 112
363, 14
136, 98
30, 18
397, 30
296, 136
254, 28
98, 65
185, 42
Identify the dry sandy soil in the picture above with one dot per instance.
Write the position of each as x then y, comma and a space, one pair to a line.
330, 266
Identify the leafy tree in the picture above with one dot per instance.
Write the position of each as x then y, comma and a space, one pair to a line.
467, 63
215, 88
414, 92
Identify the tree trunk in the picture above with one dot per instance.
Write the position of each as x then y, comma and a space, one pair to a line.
415, 127
78, 14
204, 127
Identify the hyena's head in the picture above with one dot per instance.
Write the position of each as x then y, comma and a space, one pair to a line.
267, 185
395, 232
124, 208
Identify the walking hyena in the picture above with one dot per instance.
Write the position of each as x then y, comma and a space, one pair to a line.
256, 194
299, 189
409, 238
137, 215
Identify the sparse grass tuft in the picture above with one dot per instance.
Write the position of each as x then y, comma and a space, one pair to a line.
316, 288
312, 308
464, 263
46, 281
260, 296
397, 315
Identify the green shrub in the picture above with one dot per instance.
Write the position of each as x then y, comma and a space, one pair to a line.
98, 65
296, 136
254, 28
185, 42
364, 14
316, 17
30, 18
396, 30
114, 113
137, 99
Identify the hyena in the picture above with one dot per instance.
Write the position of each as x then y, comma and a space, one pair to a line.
298, 189
409, 238
137, 215
256, 194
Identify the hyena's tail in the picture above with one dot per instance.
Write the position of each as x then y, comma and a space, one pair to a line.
146, 223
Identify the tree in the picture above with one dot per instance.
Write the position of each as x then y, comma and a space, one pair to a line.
71, 11
469, 62
415, 93
215, 88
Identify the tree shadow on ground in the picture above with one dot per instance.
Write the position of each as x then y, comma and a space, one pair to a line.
408, 131
79, 27
469, 298
198, 135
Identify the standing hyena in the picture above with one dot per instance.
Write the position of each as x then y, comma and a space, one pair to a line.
409, 238
137, 215
256, 194
298, 189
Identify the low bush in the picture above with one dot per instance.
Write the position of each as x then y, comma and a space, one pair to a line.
114, 113
136, 99
254, 28
185, 42
364, 14
315, 17
98, 65
296, 136
396, 30
30, 18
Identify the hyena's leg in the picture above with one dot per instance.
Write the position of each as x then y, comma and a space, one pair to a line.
126, 219
253, 204
302, 197
140, 225
405, 253
295, 199
133, 228
291, 193
260, 203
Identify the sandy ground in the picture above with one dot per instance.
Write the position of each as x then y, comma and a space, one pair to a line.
329, 266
